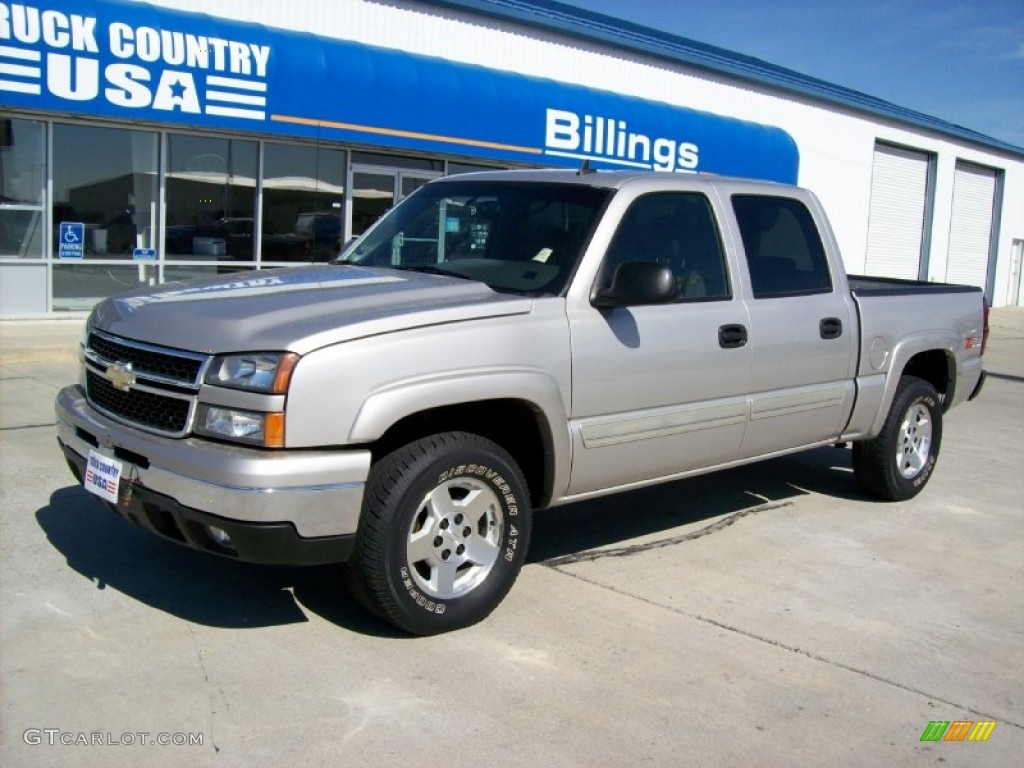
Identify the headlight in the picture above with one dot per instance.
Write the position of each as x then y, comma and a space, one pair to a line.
265, 429
267, 372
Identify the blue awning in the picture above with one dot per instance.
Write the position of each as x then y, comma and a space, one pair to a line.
132, 61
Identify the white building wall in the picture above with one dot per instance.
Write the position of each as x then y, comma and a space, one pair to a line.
836, 145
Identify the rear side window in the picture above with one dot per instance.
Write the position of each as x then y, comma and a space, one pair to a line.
785, 255
677, 229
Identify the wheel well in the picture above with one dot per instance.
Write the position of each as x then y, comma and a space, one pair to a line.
517, 426
935, 367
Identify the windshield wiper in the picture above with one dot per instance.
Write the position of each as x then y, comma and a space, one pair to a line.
431, 269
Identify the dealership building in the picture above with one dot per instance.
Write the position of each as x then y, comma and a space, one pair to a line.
148, 142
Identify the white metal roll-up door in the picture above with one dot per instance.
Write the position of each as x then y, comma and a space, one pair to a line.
899, 201
970, 227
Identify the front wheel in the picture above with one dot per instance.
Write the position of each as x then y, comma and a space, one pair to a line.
444, 532
897, 463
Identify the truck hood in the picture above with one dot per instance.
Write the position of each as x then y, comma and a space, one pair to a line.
298, 309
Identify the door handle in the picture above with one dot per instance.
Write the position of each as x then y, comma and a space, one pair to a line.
732, 336
831, 328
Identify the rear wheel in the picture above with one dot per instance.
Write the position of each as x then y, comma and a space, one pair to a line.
443, 535
897, 463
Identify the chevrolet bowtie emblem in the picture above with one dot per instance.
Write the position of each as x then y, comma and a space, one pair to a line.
121, 376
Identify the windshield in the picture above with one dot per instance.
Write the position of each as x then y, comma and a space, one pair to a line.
520, 237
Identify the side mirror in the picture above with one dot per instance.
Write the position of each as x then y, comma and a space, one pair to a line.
636, 283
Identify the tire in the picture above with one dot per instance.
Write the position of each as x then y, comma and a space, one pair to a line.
897, 464
444, 531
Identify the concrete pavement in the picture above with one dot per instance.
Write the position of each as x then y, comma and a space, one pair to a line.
767, 616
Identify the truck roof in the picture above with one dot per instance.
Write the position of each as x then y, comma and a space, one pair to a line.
612, 179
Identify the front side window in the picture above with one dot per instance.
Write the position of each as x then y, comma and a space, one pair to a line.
519, 237
784, 251
676, 229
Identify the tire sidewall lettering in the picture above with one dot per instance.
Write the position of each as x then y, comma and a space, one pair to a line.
918, 480
509, 545
912, 485
430, 606
923, 475
878, 461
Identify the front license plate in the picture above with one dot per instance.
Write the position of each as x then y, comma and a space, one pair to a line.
102, 476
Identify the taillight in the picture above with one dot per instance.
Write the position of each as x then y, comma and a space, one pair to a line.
984, 333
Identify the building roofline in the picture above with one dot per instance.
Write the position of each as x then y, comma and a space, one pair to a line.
589, 25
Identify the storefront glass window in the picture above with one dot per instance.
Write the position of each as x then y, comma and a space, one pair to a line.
211, 198
22, 144
79, 287
180, 272
459, 167
106, 180
397, 161
303, 202
21, 161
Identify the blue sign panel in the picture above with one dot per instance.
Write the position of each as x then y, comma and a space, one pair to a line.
71, 236
144, 254
134, 61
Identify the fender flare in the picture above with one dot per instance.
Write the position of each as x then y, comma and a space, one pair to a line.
399, 400
902, 354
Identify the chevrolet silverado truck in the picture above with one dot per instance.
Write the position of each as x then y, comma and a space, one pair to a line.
500, 343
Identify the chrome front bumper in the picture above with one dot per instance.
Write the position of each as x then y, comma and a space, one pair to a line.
320, 493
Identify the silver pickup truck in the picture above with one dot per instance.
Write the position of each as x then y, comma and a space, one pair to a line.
500, 343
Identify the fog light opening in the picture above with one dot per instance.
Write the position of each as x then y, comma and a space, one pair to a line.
220, 537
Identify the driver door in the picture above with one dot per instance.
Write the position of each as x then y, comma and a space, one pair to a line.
659, 390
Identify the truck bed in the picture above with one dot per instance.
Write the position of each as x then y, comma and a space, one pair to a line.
865, 285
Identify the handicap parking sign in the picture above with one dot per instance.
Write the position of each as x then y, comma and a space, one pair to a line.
71, 237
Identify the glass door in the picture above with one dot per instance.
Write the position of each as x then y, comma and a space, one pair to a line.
373, 193
410, 182
375, 190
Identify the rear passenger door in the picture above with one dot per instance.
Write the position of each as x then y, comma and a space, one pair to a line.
802, 332
656, 391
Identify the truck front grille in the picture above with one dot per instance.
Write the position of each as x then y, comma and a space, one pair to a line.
175, 367
162, 397
158, 412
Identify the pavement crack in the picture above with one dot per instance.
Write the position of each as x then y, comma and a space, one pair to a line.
799, 651
206, 679
28, 426
635, 549
1005, 376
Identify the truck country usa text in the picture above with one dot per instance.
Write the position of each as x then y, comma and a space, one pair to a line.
610, 140
160, 68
